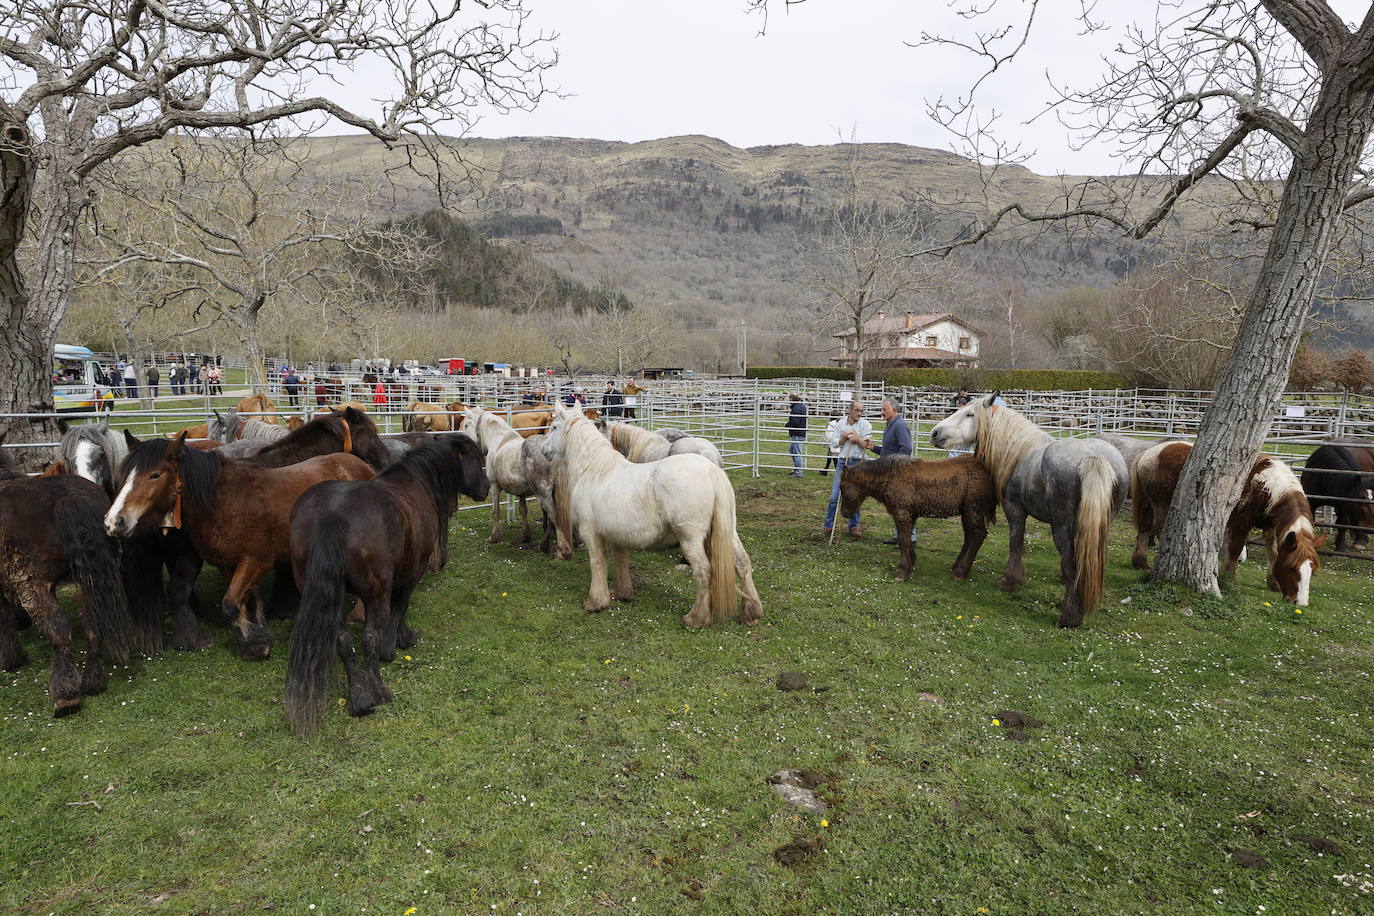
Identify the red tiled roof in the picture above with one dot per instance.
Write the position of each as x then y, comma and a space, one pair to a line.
896, 323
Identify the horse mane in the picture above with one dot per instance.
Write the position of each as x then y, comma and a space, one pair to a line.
1005, 438
199, 470
491, 430
366, 443
1287, 506
587, 450
635, 438
435, 468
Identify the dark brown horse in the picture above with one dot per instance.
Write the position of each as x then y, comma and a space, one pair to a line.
235, 516
1271, 500
49, 532
373, 538
1341, 475
912, 488
350, 431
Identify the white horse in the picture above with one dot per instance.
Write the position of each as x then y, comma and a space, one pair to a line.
505, 465
641, 445
618, 505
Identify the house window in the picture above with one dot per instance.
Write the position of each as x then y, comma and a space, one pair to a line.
932, 340
964, 343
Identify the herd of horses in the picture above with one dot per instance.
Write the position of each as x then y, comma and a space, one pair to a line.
335, 508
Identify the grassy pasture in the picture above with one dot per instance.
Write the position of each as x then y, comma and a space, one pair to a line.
541, 760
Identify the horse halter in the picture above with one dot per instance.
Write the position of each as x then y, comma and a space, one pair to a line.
173, 518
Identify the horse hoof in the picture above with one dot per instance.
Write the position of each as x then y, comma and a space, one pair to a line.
494, 539
591, 607
1007, 585
255, 653
65, 707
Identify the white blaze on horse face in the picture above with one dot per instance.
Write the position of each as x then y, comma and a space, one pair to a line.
1304, 583
112, 516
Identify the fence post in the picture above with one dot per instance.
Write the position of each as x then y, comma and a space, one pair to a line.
757, 398
1340, 418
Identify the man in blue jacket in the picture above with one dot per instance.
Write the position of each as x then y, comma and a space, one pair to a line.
896, 442
796, 431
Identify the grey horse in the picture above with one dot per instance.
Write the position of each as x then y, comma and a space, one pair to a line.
91, 451
1077, 485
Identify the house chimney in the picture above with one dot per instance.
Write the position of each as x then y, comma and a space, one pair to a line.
910, 321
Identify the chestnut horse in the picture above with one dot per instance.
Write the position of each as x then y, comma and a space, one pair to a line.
374, 538
911, 488
50, 531
426, 417
234, 515
350, 431
1271, 500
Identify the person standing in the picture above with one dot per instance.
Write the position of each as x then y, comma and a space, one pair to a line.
216, 379
292, 383
153, 377
852, 435
796, 431
130, 379
896, 444
631, 391
611, 401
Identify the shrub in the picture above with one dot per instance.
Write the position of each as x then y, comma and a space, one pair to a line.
1352, 372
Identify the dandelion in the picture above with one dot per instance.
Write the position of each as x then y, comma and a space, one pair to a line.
996, 722
824, 822
605, 661
1268, 604
958, 616
407, 658
410, 912
982, 909
1297, 610
342, 701
503, 594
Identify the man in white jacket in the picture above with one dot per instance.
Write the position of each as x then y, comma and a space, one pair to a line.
852, 436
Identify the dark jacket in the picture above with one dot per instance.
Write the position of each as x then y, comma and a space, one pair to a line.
896, 438
796, 419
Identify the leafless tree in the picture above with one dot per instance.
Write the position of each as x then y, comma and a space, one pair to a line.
85, 82
857, 263
1212, 93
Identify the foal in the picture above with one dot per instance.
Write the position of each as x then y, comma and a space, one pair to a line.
910, 488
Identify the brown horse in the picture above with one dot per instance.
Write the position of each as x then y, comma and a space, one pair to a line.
426, 417
234, 515
1272, 500
50, 531
911, 488
376, 539
531, 422
259, 405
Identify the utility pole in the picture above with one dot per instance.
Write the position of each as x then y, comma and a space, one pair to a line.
742, 347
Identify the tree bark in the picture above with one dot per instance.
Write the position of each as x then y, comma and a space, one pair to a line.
1251, 389
32, 315
246, 317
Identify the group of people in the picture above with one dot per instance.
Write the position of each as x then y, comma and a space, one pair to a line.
121, 380
849, 440
616, 403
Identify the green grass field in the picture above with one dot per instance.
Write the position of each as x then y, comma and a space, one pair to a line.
541, 760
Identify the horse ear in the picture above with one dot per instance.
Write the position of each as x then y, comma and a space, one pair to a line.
179, 443
992, 398
130, 439
1320, 542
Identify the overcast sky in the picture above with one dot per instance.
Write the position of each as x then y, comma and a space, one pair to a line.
643, 69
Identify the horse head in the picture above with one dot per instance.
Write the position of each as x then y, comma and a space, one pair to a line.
152, 486
959, 429
1295, 562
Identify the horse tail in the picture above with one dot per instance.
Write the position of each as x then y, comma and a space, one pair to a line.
720, 548
141, 558
317, 624
94, 567
562, 507
1094, 519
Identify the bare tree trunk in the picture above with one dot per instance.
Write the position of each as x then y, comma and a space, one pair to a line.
1252, 386
32, 316
245, 316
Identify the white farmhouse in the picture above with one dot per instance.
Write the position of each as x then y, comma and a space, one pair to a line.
913, 341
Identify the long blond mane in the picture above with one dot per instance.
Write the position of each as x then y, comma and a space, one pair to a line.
1005, 438
634, 439
586, 451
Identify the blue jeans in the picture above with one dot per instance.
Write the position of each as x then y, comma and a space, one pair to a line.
833, 506
795, 449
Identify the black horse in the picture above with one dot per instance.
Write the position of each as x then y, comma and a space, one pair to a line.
373, 538
1341, 475
50, 531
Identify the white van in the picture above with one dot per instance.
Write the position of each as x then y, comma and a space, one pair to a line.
74, 378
